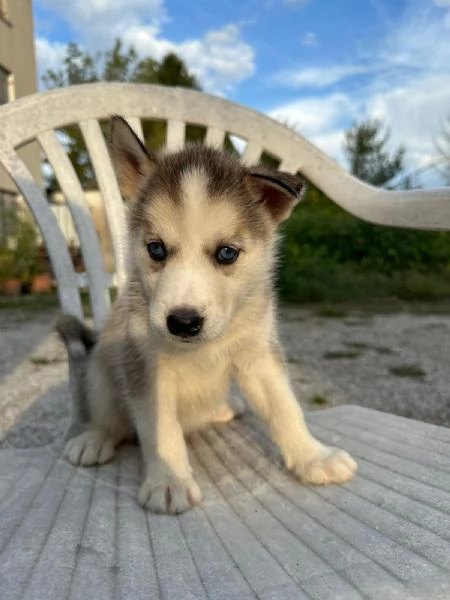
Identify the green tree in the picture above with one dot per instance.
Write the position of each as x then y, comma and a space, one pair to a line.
443, 147
117, 64
366, 150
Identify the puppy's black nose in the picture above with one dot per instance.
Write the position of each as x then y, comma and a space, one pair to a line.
184, 322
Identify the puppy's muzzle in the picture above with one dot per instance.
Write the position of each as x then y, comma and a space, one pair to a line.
185, 322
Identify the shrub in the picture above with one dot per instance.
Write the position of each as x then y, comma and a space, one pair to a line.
327, 254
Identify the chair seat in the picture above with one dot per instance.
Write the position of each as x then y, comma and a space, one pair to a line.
69, 532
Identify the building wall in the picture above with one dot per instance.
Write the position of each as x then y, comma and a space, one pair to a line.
17, 56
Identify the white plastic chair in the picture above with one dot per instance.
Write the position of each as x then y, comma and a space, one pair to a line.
37, 117
79, 533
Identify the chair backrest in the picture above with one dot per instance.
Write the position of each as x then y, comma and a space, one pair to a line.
37, 117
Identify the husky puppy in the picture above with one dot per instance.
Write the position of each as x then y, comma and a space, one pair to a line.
197, 313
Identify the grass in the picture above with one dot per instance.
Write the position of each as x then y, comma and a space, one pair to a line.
384, 350
343, 292
359, 345
37, 302
340, 284
331, 312
357, 323
29, 302
409, 371
293, 319
366, 346
319, 400
338, 354
43, 360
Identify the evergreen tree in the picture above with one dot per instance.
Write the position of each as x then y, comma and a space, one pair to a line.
366, 149
123, 65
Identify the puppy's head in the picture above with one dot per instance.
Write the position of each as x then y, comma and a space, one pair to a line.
202, 232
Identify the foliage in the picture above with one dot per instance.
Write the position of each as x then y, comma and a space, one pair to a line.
369, 160
20, 257
327, 254
123, 65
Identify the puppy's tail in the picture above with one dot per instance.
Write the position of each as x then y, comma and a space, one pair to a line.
79, 340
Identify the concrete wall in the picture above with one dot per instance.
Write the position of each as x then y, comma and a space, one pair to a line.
17, 56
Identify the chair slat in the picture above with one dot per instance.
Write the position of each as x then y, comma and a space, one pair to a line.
176, 132
252, 153
290, 165
23, 120
136, 124
114, 205
68, 292
215, 137
79, 209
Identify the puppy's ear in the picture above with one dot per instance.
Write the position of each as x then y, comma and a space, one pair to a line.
131, 159
278, 191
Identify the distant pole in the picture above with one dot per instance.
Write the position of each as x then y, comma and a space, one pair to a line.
413, 175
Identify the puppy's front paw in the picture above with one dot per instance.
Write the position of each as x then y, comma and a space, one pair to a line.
330, 465
92, 447
234, 408
172, 496
225, 414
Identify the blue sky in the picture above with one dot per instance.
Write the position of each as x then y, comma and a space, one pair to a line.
317, 64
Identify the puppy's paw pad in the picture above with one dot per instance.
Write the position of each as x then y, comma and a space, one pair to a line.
225, 414
172, 497
335, 466
89, 448
234, 408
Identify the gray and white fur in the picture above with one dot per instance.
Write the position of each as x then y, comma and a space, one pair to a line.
198, 313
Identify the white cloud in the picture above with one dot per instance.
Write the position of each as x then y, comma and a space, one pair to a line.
220, 58
420, 42
414, 115
412, 95
319, 120
315, 115
409, 91
318, 77
94, 13
49, 55
309, 39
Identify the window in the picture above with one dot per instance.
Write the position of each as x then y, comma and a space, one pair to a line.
4, 8
5, 85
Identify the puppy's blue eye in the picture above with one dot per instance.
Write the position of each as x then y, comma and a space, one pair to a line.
156, 251
226, 255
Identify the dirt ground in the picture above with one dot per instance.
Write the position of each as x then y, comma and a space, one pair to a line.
395, 362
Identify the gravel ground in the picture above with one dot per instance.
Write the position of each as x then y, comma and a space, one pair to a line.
392, 362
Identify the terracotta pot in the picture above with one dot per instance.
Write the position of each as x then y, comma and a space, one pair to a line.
11, 286
41, 284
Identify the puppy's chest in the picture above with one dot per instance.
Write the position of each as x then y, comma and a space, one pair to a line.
199, 378
201, 387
